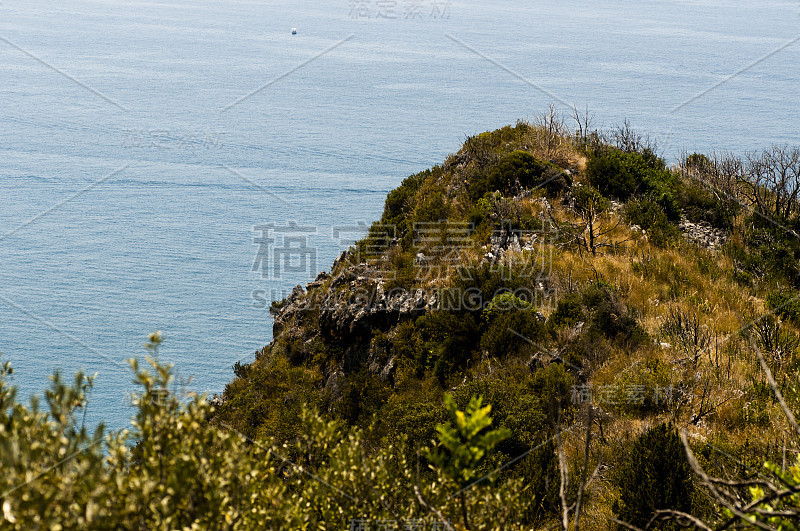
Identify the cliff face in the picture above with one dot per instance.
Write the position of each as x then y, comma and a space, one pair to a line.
348, 308
360, 300
545, 272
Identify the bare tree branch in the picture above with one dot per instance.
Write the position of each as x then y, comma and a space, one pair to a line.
681, 517
582, 484
698, 469
562, 490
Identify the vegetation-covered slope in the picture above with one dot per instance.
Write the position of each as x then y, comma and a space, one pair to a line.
546, 271
599, 301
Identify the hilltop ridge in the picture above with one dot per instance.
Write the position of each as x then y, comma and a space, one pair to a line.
550, 271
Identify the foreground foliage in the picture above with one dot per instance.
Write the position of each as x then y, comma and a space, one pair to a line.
177, 469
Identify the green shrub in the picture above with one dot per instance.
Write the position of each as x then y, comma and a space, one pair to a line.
553, 385
569, 311
431, 207
770, 250
476, 285
528, 405
480, 214
589, 201
486, 147
611, 318
785, 304
651, 217
516, 405
655, 475
362, 397
447, 341
413, 411
270, 397
517, 171
598, 306
701, 204
539, 470
400, 202
502, 337
504, 302
782, 513
621, 175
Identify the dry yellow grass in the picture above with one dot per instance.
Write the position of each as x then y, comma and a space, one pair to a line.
653, 281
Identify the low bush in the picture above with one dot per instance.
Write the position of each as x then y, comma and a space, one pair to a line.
502, 303
270, 397
652, 217
527, 404
540, 471
598, 306
699, 203
512, 332
400, 202
514, 172
612, 319
476, 285
621, 175
447, 341
569, 311
785, 304
771, 251
431, 207
654, 475
362, 398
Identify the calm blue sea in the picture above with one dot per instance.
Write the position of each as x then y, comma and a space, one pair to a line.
140, 184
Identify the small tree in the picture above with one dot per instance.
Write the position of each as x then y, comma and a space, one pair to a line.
772, 182
595, 223
463, 444
590, 206
583, 122
551, 131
